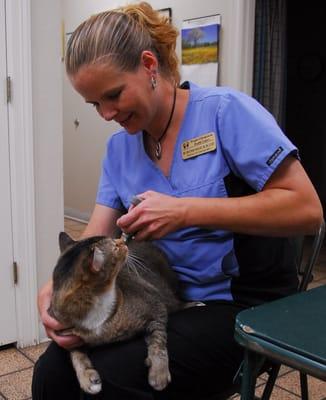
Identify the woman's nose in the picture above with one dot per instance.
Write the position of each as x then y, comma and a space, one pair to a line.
108, 113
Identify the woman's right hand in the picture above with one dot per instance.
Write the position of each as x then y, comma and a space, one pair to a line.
51, 325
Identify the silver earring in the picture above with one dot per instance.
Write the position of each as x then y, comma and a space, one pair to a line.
153, 82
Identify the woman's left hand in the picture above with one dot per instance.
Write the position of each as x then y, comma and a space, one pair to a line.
156, 216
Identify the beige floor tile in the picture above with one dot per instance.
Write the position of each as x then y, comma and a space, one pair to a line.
17, 386
291, 382
74, 228
278, 394
318, 274
77, 228
71, 223
284, 370
73, 234
314, 284
80, 229
34, 352
68, 223
12, 360
69, 228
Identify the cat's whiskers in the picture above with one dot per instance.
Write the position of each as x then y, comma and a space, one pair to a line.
136, 267
139, 262
132, 267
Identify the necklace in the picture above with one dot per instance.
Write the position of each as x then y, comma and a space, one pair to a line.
158, 146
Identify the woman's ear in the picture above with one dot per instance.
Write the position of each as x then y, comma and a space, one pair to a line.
149, 61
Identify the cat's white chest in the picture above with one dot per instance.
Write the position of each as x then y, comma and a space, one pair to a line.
101, 311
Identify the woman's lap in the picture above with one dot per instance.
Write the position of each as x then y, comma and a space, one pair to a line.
203, 358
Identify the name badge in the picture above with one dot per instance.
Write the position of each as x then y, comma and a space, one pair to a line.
199, 145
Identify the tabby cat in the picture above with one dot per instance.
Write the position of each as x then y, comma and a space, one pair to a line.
106, 291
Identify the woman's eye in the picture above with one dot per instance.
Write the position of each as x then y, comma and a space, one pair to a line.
114, 96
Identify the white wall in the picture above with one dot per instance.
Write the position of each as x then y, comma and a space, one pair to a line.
47, 125
84, 146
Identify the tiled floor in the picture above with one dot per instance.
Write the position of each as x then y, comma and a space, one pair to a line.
16, 365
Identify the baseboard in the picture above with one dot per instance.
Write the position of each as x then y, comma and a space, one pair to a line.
77, 215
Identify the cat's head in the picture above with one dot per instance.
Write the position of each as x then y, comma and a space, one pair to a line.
85, 271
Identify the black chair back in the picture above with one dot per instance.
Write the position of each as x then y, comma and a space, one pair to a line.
310, 262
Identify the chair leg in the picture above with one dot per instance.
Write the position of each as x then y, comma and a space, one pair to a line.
304, 386
270, 382
251, 364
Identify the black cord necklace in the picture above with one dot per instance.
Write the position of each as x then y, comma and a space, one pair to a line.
158, 146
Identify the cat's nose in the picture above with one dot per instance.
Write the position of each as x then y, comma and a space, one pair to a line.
119, 242
121, 245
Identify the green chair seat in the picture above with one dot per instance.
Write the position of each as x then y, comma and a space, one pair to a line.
290, 330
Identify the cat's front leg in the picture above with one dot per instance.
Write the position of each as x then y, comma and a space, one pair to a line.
157, 357
88, 377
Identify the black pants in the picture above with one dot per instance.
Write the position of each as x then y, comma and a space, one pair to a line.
203, 359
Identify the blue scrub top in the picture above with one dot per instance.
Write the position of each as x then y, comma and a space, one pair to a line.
249, 147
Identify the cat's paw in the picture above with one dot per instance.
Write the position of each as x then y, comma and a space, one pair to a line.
158, 375
90, 381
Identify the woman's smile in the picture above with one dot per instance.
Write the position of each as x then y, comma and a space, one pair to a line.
125, 121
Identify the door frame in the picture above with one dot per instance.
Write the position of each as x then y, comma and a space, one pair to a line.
20, 111
8, 330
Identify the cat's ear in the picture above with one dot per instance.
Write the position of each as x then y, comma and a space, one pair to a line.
65, 241
98, 260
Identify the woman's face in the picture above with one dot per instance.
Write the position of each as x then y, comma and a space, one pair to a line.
125, 97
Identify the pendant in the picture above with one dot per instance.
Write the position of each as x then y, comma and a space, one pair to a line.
158, 150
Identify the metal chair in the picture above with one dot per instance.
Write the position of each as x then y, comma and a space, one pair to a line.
270, 340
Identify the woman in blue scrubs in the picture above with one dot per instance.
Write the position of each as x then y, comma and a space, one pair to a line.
222, 189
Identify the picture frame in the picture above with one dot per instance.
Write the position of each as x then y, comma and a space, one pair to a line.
167, 12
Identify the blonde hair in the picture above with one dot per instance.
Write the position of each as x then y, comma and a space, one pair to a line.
120, 36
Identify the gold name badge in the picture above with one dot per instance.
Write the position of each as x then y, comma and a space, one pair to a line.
199, 145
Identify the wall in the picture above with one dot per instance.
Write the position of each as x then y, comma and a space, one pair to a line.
47, 123
84, 146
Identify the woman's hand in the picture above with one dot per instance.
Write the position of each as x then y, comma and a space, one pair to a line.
51, 325
271, 212
156, 216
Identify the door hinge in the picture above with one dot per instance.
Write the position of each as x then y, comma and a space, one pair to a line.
9, 89
15, 272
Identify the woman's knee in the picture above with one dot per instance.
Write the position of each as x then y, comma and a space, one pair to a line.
122, 364
53, 375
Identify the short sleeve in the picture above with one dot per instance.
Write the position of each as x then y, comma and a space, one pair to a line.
252, 142
106, 193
